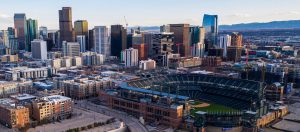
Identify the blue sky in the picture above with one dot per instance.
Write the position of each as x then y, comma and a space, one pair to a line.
150, 12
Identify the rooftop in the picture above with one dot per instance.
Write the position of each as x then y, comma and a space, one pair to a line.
9, 103
56, 98
23, 96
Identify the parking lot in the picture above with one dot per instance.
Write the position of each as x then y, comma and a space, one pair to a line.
81, 118
291, 121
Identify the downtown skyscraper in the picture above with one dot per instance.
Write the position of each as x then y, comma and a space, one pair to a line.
102, 40
21, 28
32, 32
210, 23
81, 28
197, 36
118, 39
65, 25
181, 39
39, 49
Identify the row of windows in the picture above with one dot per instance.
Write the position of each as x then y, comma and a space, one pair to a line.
129, 105
158, 112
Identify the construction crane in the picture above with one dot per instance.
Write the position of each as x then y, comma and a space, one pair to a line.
126, 22
247, 67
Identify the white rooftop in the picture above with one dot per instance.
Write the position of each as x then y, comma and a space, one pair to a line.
56, 98
23, 96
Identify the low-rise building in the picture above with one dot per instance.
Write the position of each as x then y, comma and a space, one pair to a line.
77, 61
9, 58
181, 62
83, 87
211, 61
25, 86
92, 59
54, 55
13, 74
147, 64
12, 115
8, 88
66, 62
55, 107
56, 63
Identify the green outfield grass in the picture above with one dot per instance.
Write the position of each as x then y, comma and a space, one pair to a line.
212, 108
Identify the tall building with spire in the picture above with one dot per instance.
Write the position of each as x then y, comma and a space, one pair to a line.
65, 25
21, 28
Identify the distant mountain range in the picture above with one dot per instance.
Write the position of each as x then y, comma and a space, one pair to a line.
268, 25
246, 26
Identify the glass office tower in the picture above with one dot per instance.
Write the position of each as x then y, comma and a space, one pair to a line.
81, 29
21, 28
210, 23
32, 33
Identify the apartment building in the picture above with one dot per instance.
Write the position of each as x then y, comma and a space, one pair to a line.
12, 115
84, 87
55, 107
13, 74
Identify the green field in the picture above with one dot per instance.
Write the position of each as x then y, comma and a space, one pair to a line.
212, 108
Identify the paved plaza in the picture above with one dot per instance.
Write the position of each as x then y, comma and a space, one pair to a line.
81, 118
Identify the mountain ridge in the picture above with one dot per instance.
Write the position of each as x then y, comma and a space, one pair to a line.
290, 24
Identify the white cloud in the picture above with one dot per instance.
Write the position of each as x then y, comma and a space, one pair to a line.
5, 21
4, 16
239, 15
294, 12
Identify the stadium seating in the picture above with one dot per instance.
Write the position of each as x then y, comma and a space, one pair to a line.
236, 93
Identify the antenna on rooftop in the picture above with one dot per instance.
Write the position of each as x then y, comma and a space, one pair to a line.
126, 22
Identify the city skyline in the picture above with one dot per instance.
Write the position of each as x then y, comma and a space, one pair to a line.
151, 13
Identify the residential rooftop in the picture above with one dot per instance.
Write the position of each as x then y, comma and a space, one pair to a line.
56, 98
21, 97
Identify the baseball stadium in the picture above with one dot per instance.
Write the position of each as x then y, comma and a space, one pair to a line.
226, 103
235, 94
